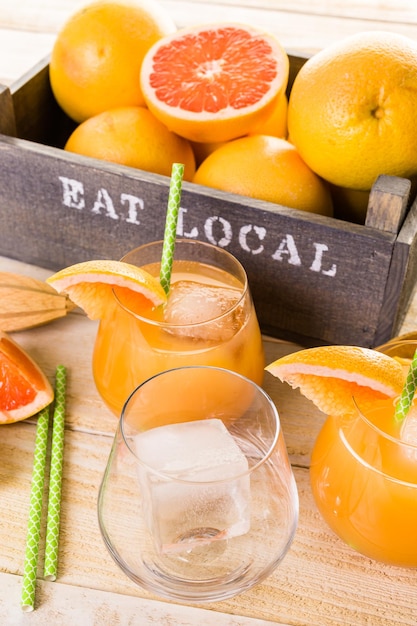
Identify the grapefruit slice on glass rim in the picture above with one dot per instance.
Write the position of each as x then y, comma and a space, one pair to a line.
92, 285
214, 82
24, 388
330, 376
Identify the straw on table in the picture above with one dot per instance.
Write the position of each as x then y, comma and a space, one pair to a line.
55, 478
35, 512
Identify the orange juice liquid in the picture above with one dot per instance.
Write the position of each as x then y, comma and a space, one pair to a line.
364, 481
131, 347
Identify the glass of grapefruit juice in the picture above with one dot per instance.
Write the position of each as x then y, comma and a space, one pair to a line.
209, 319
364, 481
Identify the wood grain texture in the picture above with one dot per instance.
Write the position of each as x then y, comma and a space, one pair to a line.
321, 582
388, 203
7, 116
302, 268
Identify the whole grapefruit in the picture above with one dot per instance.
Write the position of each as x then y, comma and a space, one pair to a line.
97, 56
266, 168
352, 107
132, 136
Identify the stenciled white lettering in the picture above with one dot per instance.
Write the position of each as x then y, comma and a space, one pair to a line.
217, 230
288, 248
192, 234
243, 238
73, 193
316, 266
104, 201
226, 227
133, 204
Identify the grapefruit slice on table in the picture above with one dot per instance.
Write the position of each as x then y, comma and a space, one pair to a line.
214, 83
90, 285
330, 376
24, 388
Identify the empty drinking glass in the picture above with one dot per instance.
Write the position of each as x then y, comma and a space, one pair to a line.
198, 501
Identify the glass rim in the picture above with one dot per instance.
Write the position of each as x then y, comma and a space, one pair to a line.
382, 433
162, 324
265, 456
391, 476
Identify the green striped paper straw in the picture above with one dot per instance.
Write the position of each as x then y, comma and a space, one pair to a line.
55, 478
35, 512
407, 395
170, 233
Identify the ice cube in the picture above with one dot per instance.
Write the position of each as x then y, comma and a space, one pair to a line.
215, 506
191, 302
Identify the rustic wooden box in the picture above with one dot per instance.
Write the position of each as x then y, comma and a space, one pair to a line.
314, 279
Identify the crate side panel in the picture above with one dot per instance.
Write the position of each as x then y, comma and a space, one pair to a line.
402, 278
317, 277
7, 119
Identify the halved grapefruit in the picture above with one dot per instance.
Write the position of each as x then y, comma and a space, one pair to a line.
215, 82
24, 388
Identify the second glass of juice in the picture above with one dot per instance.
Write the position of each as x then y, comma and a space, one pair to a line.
364, 481
209, 319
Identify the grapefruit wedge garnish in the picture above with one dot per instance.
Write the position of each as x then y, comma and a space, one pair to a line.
24, 388
90, 285
215, 82
331, 376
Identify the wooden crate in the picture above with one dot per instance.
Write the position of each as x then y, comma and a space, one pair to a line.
314, 279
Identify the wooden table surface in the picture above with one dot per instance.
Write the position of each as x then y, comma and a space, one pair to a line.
321, 581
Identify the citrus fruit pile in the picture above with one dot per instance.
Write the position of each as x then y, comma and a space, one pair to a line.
146, 94
331, 376
25, 390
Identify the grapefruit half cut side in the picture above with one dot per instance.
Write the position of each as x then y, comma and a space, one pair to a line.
24, 388
215, 82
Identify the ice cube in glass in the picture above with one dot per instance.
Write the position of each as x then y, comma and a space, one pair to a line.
195, 484
192, 303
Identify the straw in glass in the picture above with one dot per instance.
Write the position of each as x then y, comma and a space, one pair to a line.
170, 233
35, 512
55, 478
407, 395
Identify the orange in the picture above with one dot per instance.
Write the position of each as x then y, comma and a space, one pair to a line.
331, 376
265, 168
213, 83
276, 123
90, 285
97, 55
25, 390
132, 136
352, 106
